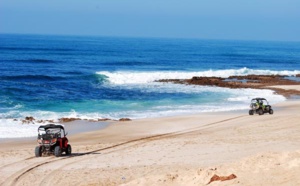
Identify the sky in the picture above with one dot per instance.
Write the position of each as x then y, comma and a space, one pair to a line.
204, 19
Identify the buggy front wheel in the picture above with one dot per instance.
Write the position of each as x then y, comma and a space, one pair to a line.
57, 151
38, 151
271, 111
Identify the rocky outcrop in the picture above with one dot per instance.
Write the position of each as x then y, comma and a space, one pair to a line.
249, 81
124, 119
104, 119
65, 120
28, 120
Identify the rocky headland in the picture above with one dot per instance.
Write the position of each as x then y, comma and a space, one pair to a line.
249, 81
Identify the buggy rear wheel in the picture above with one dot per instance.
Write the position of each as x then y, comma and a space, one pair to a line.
38, 151
57, 151
69, 150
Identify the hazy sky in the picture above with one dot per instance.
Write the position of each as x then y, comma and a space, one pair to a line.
206, 19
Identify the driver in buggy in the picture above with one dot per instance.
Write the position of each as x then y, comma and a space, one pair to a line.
261, 104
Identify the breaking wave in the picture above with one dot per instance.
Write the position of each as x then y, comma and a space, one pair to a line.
129, 77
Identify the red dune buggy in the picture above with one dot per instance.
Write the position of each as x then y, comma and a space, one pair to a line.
52, 140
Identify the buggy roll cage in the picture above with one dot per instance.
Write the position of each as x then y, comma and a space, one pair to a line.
52, 126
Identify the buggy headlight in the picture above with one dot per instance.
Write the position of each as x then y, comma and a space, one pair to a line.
53, 140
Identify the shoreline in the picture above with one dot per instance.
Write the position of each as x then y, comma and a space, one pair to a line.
77, 123
76, 127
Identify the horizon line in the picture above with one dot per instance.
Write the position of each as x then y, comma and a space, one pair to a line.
148, 37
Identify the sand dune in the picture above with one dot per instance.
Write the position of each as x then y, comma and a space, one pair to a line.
182, 150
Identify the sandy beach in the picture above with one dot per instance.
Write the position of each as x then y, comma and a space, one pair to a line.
181, 150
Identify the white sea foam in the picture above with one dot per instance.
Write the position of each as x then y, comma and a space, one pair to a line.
13, 129
133, 77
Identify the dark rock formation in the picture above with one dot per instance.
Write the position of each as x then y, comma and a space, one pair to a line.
28, 120
104, 119
249, 81
64, 120
124, 119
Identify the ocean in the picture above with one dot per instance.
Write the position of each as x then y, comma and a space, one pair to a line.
50, 77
